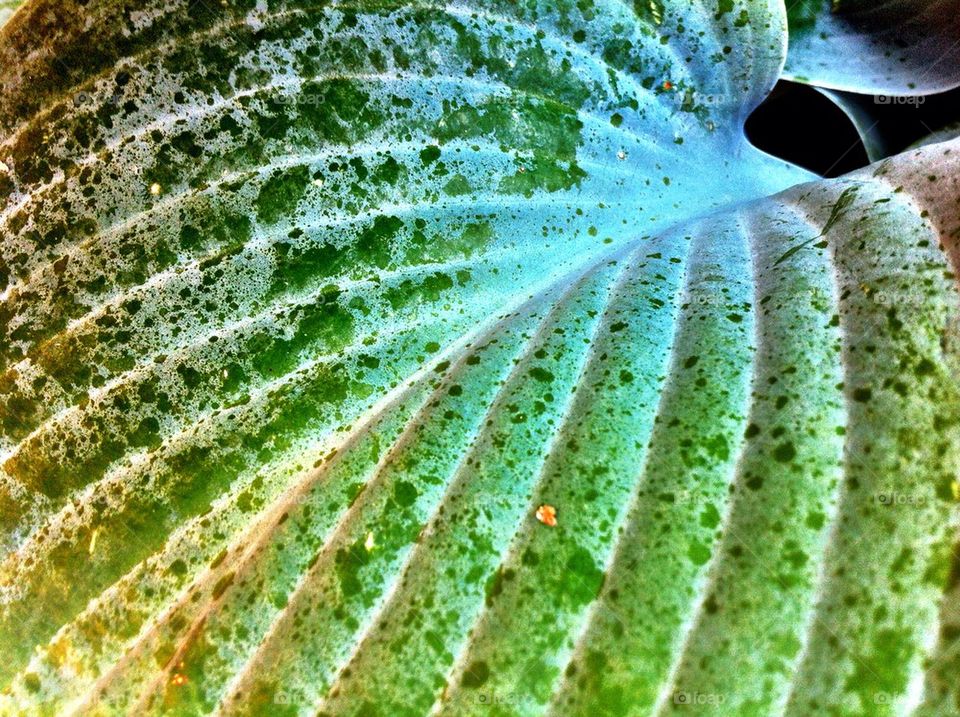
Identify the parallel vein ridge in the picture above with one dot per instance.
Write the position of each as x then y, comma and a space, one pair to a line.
394, 358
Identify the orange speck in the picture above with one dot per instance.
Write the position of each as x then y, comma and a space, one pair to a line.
547, 515
668, 85
178, 679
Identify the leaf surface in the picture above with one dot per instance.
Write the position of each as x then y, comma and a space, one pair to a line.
310, 308
6, 9
897, 47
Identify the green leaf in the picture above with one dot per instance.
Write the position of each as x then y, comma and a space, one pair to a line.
900, 47
6, 9
309, 309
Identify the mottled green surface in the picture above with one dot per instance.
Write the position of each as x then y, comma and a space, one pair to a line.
307, 306
888, 47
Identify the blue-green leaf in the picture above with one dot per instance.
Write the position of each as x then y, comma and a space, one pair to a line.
899, 47
403, 358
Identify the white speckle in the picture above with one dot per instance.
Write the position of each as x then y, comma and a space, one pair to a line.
369, 543
155, 189
621, 155
318, 182
4, 168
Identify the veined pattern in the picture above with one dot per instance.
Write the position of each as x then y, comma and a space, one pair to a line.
308, 308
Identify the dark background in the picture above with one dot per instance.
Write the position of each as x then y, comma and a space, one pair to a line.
799, 124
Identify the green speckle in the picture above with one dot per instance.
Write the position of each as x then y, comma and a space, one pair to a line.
405, 494
476, 675
457, 186
541, 374
785, 452
586, 578
280, 194
430, 154
698, 553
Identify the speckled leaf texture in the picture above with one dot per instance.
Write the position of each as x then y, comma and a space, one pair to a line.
889, 47
310, 308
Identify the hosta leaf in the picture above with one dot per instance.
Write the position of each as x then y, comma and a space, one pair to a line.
309, 309
951, 131
857, 109
889, 125
6, 9
898, 47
